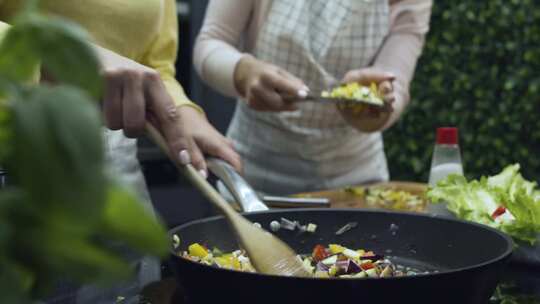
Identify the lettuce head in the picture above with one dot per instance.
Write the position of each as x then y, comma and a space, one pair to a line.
505, 201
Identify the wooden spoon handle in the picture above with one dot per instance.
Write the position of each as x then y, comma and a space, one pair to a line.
190, 173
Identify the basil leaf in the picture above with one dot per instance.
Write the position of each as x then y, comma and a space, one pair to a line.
58, 44
80, 258
18, 62
60, 127
66, 54
127, 220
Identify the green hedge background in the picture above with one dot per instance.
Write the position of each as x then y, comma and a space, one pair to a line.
480, 71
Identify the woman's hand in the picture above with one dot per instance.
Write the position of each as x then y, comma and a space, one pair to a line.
136, 94
266, 87
371, 119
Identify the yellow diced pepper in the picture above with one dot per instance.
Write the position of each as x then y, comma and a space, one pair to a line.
236, 263
223, 262
197, 250
335, 249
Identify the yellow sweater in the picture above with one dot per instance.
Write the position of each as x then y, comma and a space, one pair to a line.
143, 30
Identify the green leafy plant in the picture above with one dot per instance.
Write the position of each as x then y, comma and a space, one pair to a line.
63, 215
479, 72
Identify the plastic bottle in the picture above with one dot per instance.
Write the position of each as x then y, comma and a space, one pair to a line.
446, 160
446, 156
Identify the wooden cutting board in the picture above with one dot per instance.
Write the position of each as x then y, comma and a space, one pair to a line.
353, 198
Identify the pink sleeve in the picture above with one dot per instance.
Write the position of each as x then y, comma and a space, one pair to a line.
216, 50
403, 46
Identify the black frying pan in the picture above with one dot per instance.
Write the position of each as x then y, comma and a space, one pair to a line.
468, 258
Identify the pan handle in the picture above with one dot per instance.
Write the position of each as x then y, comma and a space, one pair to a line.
239, 188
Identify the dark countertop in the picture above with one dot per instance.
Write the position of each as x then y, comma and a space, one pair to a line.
521, 286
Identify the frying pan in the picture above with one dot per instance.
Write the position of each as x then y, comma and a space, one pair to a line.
464, 260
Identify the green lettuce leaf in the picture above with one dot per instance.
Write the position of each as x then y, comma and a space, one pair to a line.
476, 201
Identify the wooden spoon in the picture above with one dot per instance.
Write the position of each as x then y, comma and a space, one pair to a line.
267, 253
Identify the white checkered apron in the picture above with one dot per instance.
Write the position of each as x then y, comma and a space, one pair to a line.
313, 148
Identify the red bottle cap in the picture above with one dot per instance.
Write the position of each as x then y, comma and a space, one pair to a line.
447, 136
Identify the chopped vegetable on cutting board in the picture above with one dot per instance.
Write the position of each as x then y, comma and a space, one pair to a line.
394, 199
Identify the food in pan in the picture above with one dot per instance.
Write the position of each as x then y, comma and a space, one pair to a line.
505, 201
355, 91
334, 261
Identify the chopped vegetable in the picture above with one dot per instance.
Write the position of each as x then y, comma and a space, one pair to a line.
372, 273
352, 267
197, 250
292, 226
498, 212
216, 252
335, 249
505, 201
367, 265
387, 272
308, 266
176, 241
275, 226
377, 197
355, 92
351, 254
330, 260
287, 224
319, 253
346, 228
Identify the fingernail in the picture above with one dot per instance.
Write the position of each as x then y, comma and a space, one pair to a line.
203, 173
185, 159
302, 93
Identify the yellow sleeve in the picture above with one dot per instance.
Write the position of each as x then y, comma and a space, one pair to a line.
3, 28
162, 55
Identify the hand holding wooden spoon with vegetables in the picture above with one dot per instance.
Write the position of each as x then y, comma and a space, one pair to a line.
380, 85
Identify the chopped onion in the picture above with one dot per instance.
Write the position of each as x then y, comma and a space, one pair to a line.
176, 241
275, 226
322, 267
372, 273
351, 254
346, 228
287, 224
330, 260
387, 272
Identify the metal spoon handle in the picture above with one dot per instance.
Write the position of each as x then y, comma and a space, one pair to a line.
239, 188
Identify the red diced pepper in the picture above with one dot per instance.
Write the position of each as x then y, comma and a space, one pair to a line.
498, 212
367, 266
319, 253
